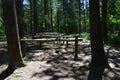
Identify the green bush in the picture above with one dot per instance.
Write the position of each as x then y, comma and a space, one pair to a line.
112, 39
116, 40
2, 37
85, 35
107, 40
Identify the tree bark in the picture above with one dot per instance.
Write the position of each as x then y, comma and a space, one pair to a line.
19, 9
45, 14
79, 29
58, 21
51, 10
31, 18
35, 16
99, 60
12, 32
104, 14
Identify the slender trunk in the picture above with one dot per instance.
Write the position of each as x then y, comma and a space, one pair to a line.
45, 15
42, 18
51, 16
31, 18
35, 16
19, 9
79, 29
84, 15
58, 18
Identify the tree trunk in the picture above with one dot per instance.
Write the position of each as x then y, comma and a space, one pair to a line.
35, 16
42, 18
99, 60
79, 29
19, 8
104, 14
51, 10
58, 22
11, 31
45, 14
31, 18
84, 14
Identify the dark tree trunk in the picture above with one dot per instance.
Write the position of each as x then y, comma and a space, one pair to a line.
87, 16
35, 16
58, 22
42, 18
31, 18
84, 13
45, 14
104, 14
11, 31
99, 60
19, 9
79, 29
51, 10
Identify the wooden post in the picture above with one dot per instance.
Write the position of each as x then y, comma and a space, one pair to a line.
66, 43
76, 48
23, 47
40, 43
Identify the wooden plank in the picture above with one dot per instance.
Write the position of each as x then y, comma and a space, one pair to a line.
48, 35
38, 40
50, 39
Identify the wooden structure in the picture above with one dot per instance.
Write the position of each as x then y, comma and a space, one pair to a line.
56, 37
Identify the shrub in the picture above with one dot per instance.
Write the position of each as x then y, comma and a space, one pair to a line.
85, 35
112, 39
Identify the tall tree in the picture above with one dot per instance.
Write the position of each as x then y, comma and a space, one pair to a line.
79, 29
84, 13
12, 33
45, 14
41, 16
99, 60
58, 19
51, 11
31, 18
65, 16
104, 15
19, 9
35, 16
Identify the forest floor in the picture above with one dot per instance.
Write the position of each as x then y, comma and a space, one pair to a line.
53, 61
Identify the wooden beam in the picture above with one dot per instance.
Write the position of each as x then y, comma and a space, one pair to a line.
50, 39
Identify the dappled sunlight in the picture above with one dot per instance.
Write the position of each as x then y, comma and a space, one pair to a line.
52, 61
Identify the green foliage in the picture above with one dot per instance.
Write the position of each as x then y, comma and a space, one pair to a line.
2, 36
85, 35
112, 39
116, 40
75, 35
113, 17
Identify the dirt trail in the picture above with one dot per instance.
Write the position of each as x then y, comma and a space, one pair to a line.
53, 62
